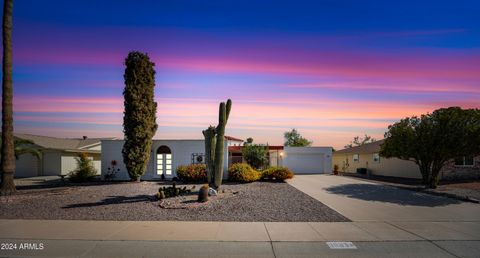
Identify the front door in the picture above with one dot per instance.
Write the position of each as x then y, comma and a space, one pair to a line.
164, 162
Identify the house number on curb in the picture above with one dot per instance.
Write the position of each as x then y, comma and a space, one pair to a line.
341, 245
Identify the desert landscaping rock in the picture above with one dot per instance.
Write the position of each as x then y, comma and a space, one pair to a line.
259, 201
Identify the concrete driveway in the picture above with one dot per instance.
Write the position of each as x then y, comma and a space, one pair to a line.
360, 200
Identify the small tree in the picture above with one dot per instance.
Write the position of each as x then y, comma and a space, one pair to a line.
139, 120
358, 141
85, 170
434, 139
294, 139
256, 155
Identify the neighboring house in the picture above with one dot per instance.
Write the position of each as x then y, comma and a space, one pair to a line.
57, 155
167, 155
367, 156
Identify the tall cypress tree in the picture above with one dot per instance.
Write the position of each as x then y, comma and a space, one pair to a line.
139, 117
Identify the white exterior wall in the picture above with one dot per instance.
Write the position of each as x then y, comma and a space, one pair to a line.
97, 159
307, 160
112, 150
52, 164
27, 165
97, 164
69, 162
182, 151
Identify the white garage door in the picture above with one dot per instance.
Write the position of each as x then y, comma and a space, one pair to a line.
305, 163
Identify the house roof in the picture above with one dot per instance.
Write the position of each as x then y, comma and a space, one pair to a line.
373, 147
70, 144
230, 138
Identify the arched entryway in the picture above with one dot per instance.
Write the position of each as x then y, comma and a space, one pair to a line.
164, 161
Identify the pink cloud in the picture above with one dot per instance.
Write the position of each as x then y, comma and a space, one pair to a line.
328, 122
389, 86
262, 58
39, 104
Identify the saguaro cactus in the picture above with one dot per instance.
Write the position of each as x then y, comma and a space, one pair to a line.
214, 146
210, 141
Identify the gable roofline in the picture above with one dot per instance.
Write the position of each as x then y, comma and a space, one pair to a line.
373, 147
54, 143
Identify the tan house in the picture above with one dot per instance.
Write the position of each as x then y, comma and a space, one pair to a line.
367, 157
57, 155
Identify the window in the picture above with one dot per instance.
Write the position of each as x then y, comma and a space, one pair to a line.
376, 157
469, 161
464, 161
355, 158
164, 161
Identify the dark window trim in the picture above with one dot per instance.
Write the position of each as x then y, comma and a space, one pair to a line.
463, 165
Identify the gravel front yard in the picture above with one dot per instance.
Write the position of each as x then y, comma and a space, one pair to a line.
469, 190
259, 201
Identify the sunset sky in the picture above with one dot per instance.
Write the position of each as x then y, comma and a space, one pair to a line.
331, 69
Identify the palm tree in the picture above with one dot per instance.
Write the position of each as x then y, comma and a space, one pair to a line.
21, 146
7, 167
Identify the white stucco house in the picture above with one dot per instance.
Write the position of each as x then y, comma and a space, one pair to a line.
57, 155
167, 155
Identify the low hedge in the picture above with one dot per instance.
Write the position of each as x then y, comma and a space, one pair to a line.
192, 173
244, 173
277, 173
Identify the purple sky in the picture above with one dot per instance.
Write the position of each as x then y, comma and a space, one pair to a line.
331, 69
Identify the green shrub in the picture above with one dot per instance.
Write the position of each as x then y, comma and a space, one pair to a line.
277, 173
192, 173
242, 172
85, 170
255, 155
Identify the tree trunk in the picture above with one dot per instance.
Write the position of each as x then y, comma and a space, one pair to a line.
433, 182
8, 152
425, 171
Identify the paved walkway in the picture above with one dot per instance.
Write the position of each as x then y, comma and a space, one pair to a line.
237, 231
257, 239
